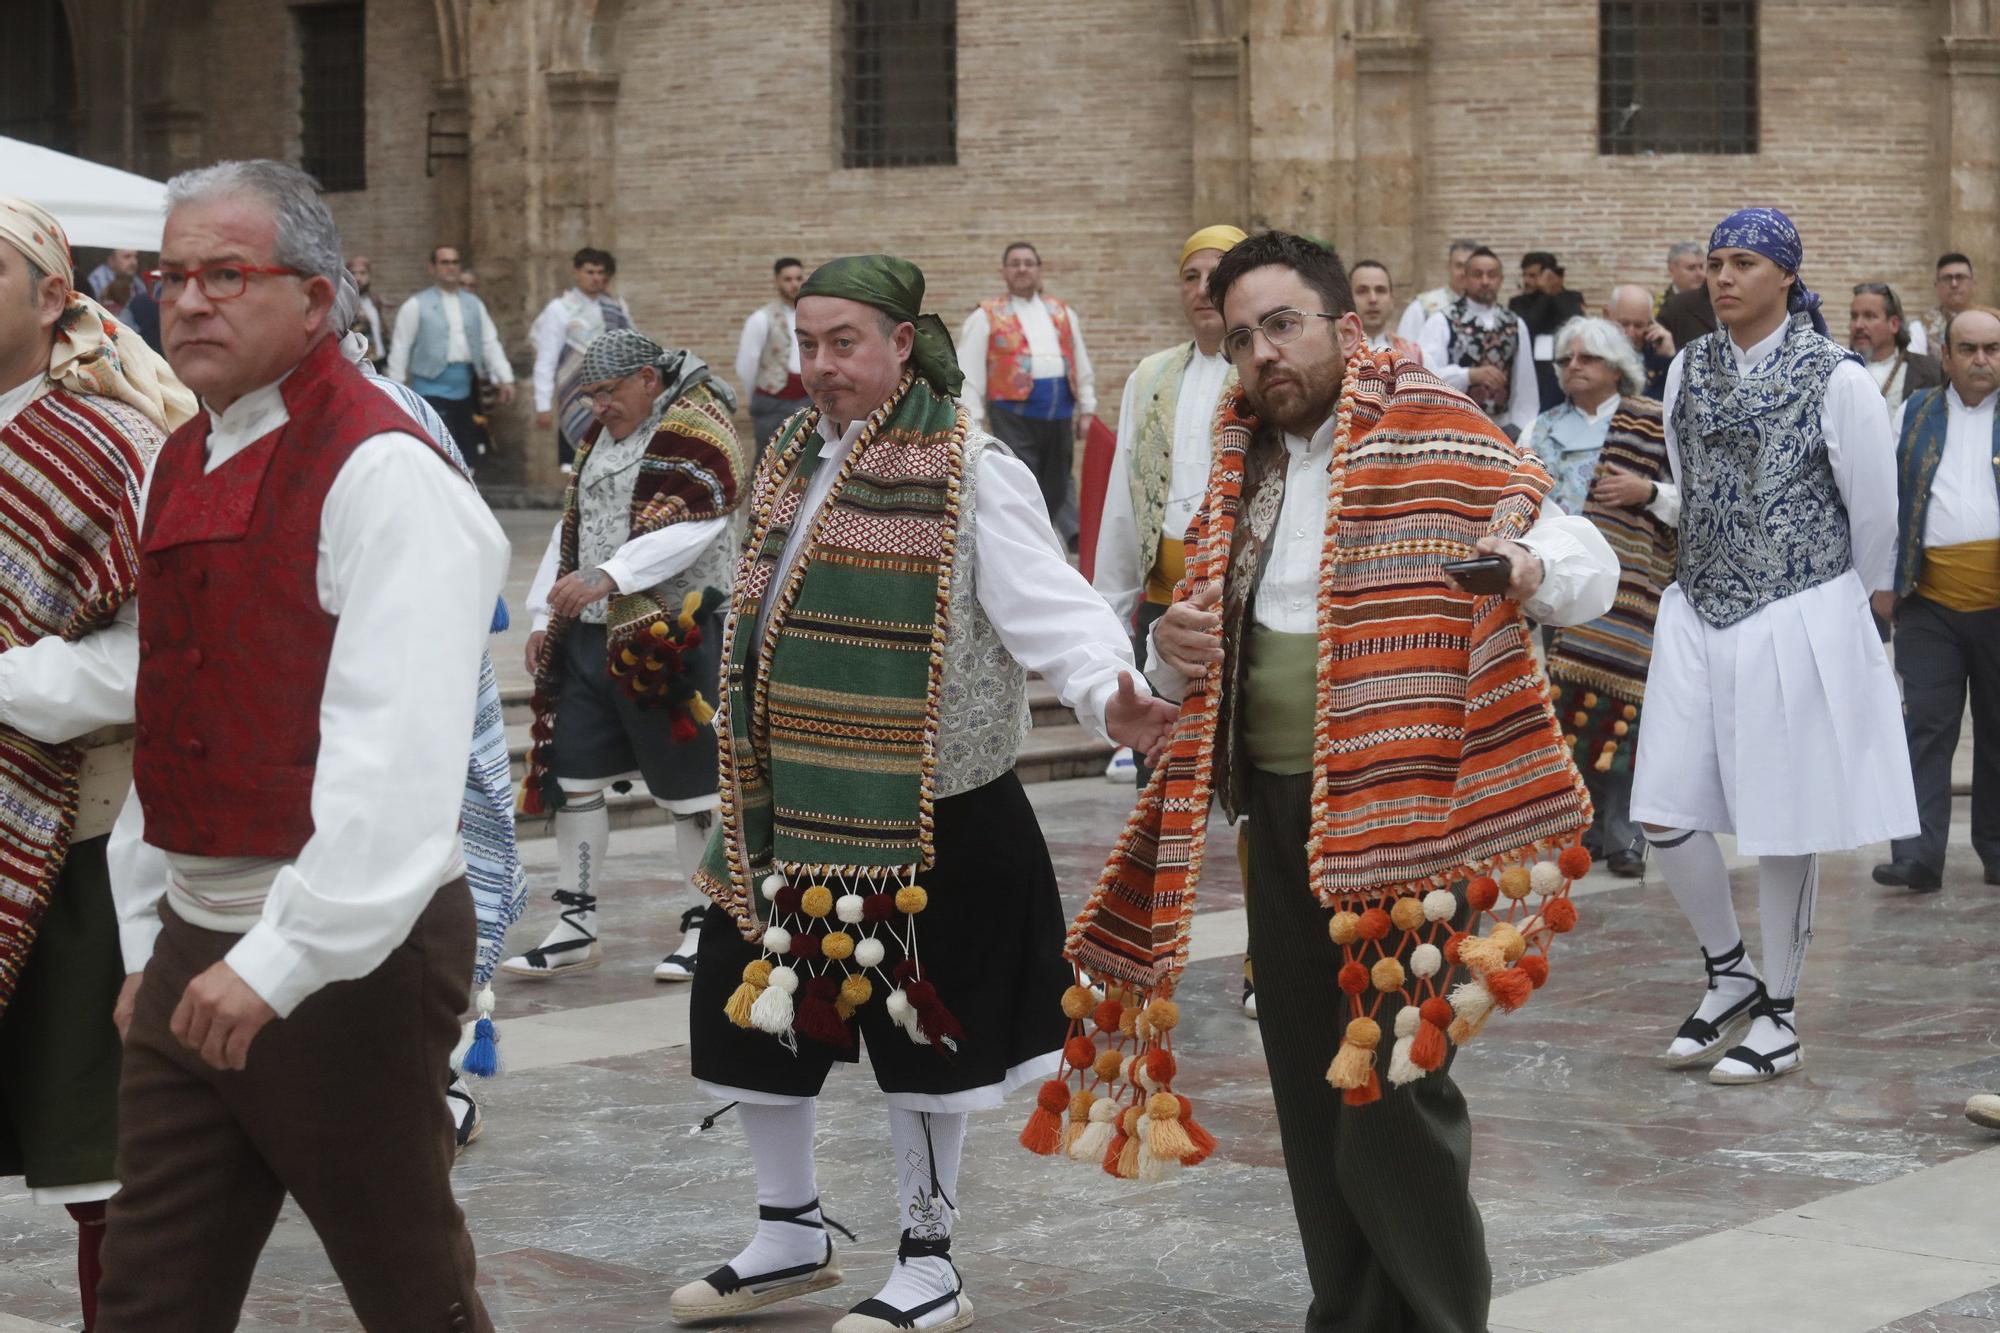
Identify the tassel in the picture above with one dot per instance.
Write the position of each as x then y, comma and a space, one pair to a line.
1354, 1064
1128, 1160
740, 1004
1152, 1167
1471, 1002
1114, 1152
904, 1015
1080, 1103
1203, 1141
1482, 955
817, 1017
1042, 1135
1371, 1091
1166, 1139
1428, 1050
1127, 1165
772, 1012
1510, 988
482, 1058
1090, 1144
1402, 1069
936, 1022
1462, 1031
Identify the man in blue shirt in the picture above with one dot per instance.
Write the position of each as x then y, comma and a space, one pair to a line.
443, 338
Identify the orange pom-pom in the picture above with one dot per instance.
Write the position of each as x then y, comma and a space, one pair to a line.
1509, 987
1371, 1091
1451, 947
1407, 913
1535, 968
1353, 978
1427, 1048
1079, 1052
1077, 1001
1160, 1066
1515, 881
1374, 924
1482, 893
1574, 862
1054, 1097
1042, 1135
1105, 1016
1107, 1066
1560, 913
1436, 1011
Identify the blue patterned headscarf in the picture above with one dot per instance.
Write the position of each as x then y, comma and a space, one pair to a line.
1768, 232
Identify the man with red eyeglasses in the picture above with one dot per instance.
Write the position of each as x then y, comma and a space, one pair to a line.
315, 587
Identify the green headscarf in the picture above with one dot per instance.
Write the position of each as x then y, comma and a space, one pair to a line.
896, 288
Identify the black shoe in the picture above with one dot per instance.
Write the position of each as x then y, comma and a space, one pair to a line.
1626, 865
1910, 875
1993, 873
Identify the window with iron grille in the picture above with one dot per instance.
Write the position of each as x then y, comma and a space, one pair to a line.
1676, 76
333, 100
899, 93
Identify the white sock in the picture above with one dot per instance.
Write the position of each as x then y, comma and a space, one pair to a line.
781, 1144
691, 834
583, 837
1786, 889
1692, 863
926, 1200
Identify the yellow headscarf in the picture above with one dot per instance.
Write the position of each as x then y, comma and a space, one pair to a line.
94, 353
1220, 237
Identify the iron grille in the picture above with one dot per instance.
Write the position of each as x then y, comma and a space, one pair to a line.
1676, 76
899, 94
333, 95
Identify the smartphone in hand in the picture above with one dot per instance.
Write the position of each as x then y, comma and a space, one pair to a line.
1486, 575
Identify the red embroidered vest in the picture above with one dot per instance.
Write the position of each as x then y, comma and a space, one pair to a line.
233, 642
1008, 379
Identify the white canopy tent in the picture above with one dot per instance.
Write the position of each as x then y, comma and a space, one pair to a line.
97, 205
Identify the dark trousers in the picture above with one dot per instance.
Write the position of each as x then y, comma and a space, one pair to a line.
1612, 831
1049, 450
1939, 653
461, 418
1393, 1241
767, 413
341, 1106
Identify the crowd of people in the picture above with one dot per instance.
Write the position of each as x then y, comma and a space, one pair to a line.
1444, 607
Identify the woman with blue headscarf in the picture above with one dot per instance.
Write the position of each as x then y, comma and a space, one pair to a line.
1771, 710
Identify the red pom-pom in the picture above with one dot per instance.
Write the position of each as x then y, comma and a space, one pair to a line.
787, 901
1079, 1052
921, 993
1106, 1015
1371, 1091
903, 973
1159, 1066
1509, 987
1574, 863
804, 945
682, 729
1560, 913
1451, 947
1427, 1048
1353, 978
1436, 1011
1374, 924
1054, 1097
818, 1019
878, 907
1535, 968
1042, 1135
1482, 893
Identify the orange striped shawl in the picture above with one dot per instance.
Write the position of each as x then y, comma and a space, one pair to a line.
1436, 753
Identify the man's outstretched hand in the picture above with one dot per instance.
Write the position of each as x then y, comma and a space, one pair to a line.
1139, 720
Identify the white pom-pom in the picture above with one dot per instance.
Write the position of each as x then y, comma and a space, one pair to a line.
772, 883
1546, 878
483, 1002
784, 978
1440, 905
1406, 1021
1402, 1069
870, 953
848, 907
1471, 1001
778, 940
772, 1012
1425, 960
1089, 1145
899, 1006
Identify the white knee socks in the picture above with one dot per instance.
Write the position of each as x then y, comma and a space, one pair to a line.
1692, 863
1786, 889
691, 844
781, 1143
928, 1146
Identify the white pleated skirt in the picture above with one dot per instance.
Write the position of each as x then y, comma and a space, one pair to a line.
1785, 728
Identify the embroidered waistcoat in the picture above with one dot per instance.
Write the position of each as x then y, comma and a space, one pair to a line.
984, 718
1473, 344
1008, 379
1924, 425
774, 363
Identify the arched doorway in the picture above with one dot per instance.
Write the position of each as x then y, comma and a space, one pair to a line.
38, 77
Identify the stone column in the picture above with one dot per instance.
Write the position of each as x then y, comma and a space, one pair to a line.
1967, 200
1390, 56
1294, 84
1218, 119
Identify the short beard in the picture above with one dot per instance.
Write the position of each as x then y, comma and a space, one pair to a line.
1319, 390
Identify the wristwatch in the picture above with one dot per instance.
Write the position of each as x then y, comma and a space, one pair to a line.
1654, 493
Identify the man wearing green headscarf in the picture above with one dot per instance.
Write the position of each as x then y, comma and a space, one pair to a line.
878, 870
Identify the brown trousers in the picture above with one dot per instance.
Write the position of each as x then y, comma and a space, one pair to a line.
341, 1106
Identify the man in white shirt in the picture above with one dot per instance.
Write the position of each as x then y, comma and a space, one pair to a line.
1876, 329
1410, 327
433, 352
767, 358
1483, 349
1946, 602
1028, 379
299, 766
1374, 298
560, 333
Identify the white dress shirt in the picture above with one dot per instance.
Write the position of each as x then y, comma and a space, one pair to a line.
1045, 358
410, 560
1050, 620
1965, 490
1120, 568
750, 347
1420, 309
1859, 446
1579, 577
458, 346
15, 401
1524, 401
550, 334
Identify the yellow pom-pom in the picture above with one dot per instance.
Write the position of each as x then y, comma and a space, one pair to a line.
628, 657
1631, 713
1364, 1032
816, 901
1107, 1066
701, 710
1579, 718
758, 973
1078, 1001
1128, 1022
1590, 699
838, 946
912, 900
1387, 974
741, 1001
1482, 955
1621, 728
1407, 913
1162, 1015
1515, 881
658, 629
1166, 1137
1512, 943
1343, 927
856, 990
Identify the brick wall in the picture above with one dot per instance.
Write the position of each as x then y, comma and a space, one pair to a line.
1846, 147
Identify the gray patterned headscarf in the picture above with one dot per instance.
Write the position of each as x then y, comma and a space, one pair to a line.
616, 353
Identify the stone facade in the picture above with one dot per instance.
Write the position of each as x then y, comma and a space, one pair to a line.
700, 140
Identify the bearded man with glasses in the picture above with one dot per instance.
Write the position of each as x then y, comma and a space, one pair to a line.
1344, 479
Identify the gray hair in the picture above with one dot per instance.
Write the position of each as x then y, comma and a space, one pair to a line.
308, 239
1462, 244
1634, 289
1601, 338
1679, 248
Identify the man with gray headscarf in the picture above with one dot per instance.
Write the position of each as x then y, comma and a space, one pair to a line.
627, 607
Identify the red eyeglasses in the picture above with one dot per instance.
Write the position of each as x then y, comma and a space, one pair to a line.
218, 282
